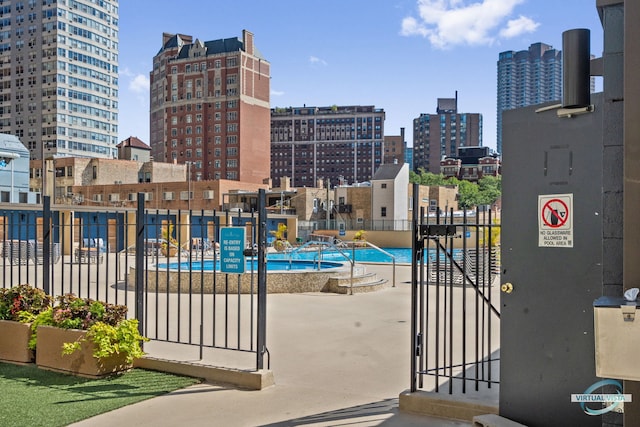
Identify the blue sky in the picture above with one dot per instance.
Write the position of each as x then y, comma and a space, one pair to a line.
399, 55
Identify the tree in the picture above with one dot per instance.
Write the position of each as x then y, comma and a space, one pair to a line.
468, 194
427, 178
485, 192
490, 188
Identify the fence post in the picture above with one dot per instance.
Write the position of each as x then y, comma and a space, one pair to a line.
416, 252
262, 280
139, 263
46, 242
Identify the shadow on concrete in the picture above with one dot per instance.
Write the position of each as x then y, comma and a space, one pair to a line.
383, 413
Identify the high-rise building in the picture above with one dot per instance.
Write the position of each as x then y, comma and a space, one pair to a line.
59, 76
527, 77
210, 107
436, 136
338, 143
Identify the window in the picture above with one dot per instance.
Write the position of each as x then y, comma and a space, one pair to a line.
383, 211
384, 185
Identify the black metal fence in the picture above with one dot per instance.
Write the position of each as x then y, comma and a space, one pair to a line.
455, 314
161, 264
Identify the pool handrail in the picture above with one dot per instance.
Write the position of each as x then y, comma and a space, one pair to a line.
321, 244
393, 258
351, 259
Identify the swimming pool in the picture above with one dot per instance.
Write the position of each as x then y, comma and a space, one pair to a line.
272, 265
402, 255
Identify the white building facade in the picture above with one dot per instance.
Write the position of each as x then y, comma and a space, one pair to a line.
59, 76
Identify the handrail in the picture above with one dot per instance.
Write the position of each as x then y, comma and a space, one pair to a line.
321, 244
393, 258
352, 258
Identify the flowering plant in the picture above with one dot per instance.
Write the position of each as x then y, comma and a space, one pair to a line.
169, 245
22, 303
359, 235
106, 326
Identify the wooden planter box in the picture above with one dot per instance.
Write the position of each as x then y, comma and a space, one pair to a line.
14, 342
81, 362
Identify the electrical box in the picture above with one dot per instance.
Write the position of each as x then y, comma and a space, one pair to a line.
617, 338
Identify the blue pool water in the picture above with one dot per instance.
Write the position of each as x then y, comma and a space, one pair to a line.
402, 255
272, 265
305, 260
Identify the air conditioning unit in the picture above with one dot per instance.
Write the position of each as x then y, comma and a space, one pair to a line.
114, 197
207, 194
184, 195
167, 195
148, 197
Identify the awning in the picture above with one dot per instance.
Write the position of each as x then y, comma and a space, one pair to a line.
9, 155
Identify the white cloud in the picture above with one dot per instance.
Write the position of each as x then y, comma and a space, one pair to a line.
277, 92
125, 72
447, 23
139, 84
314, 60
515, 27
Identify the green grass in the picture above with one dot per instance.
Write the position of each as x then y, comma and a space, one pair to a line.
35, 397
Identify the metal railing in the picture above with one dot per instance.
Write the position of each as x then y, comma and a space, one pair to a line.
93, 254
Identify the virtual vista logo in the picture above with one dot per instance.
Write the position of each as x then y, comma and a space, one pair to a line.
606, 402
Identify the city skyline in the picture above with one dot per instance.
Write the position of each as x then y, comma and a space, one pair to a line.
398, 56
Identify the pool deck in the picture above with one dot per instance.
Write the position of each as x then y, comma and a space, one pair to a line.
336, 360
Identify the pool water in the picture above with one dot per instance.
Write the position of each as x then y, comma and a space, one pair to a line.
402, 255
272, 265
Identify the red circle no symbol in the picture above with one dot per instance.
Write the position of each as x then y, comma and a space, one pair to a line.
555, 213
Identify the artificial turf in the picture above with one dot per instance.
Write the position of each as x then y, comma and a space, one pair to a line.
35, 397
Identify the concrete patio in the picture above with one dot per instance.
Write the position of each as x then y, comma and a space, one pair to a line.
335, 359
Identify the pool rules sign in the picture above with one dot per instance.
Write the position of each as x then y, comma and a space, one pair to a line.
555, 220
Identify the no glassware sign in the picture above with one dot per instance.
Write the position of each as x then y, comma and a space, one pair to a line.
555, 220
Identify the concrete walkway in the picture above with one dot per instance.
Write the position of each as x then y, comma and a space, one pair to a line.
336, 359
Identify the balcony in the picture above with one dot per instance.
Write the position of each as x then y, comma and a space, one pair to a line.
344, 208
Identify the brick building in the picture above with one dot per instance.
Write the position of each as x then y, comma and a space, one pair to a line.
471, 164
115, 182
436, 136
133, 148
331, 143
210, 107
395, 147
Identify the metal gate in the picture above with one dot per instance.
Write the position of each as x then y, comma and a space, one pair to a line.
454, 300
187, 297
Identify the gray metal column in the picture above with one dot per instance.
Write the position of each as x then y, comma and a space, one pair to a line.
612, 17
631, 277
